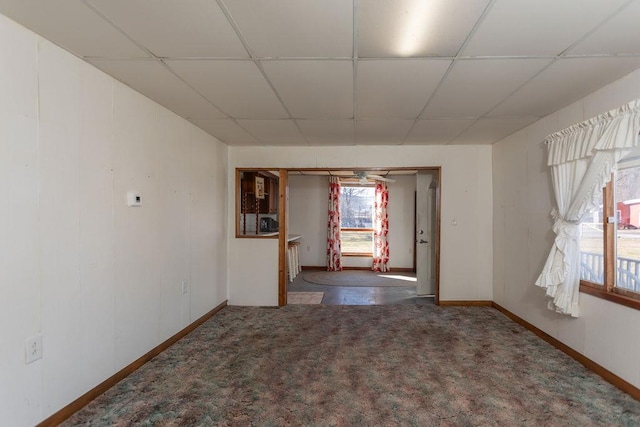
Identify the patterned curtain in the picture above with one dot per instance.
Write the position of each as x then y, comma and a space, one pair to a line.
334, 252
381, 228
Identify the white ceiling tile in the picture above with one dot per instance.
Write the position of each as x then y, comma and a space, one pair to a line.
474, 87
488, 131
72, 25
392, 28
436, 131
169, 28
390, 91
294, 28
562, 83
396, 88
328, 132
314, 89
274, 132
541, 27
227, 131
617, 36
236, 87
151, 79
382, 131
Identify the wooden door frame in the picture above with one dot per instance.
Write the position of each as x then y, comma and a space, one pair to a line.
284, 219
283, 236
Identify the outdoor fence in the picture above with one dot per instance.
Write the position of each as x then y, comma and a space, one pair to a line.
627, 272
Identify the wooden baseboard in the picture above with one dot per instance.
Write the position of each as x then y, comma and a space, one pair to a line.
471, 303
314, 267
579, 357
83, 400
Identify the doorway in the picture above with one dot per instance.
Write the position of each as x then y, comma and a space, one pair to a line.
306, 207
425, 220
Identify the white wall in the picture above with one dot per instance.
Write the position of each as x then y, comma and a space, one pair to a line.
308, 217
466, 249
308, 209
101, 282
401, 211
606, 332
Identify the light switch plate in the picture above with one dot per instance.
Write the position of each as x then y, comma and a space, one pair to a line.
134, 199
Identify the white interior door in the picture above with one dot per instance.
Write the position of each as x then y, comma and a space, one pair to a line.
425, 234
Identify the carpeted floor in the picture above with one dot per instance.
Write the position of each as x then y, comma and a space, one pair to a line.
361, 366
360, 278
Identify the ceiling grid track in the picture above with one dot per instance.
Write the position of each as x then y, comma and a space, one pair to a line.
152, 56
597, 27
355, 71
258, 65
558, 58
118, 29
477, 24
541, 53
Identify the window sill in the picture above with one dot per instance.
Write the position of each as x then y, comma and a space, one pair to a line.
618, 296
360, 254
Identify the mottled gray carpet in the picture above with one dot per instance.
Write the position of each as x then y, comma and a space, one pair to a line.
361, 366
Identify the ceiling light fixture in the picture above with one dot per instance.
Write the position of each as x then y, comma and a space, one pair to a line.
364, 177
414, 27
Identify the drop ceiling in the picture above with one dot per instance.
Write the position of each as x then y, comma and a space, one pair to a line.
358, 72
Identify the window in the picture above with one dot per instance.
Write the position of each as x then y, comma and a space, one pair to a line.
356, 219
610, 241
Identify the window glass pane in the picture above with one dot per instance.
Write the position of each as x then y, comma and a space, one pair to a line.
356, 211
356, 241
627, 188
356, 207
592, 245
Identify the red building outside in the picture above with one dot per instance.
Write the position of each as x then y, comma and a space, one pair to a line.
629, 214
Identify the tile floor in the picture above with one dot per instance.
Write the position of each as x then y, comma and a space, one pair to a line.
359, 295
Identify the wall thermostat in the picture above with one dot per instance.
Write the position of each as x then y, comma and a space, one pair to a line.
134, 199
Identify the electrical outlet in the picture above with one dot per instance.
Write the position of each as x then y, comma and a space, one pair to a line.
185, 287
33, 348
454, 221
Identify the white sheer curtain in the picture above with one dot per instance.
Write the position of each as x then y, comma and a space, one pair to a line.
582, 158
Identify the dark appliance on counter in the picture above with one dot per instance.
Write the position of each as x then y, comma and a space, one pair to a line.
268, 225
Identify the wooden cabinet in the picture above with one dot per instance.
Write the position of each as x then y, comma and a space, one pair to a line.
273, 195
252, 183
